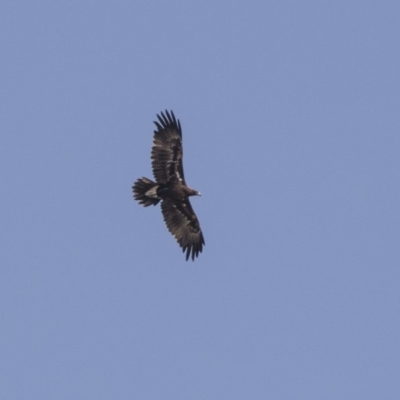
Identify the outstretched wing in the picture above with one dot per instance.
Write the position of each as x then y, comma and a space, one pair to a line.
182, 222
166, 153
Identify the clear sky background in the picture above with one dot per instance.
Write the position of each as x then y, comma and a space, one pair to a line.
290, 116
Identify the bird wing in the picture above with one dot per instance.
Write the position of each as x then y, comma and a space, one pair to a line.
182, 222
166, 154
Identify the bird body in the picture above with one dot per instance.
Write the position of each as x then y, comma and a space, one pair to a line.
170, 187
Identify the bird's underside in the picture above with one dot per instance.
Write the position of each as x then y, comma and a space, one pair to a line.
170, 187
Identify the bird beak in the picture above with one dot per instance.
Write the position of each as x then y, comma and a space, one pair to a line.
198, 194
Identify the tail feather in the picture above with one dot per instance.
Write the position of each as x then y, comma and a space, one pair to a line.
145, 192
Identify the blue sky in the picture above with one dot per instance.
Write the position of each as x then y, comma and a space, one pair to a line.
290, 117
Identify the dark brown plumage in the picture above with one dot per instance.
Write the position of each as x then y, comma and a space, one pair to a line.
170, 187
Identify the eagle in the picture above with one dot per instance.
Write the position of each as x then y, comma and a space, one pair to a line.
170, 186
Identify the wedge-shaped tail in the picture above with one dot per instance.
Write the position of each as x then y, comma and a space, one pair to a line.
145, 192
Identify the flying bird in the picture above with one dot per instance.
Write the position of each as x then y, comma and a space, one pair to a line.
170, 186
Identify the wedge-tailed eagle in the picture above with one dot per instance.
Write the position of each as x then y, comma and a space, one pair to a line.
170, 187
